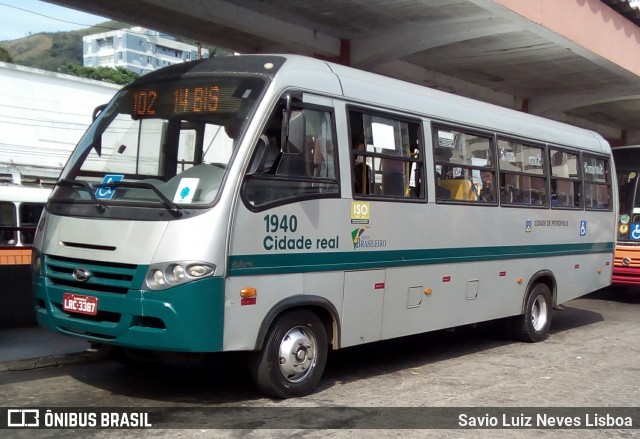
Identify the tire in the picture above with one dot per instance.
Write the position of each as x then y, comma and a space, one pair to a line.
292, 360
533, 325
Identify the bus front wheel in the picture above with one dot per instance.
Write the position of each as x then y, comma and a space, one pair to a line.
533, 325
293, 357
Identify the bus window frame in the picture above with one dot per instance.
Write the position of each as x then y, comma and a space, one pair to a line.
546, 171
609, 162
421, 184
294, 105
30, 227
579, 179
491, 135
12, 228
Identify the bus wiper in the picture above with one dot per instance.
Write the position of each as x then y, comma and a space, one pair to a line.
87, 188
170, 205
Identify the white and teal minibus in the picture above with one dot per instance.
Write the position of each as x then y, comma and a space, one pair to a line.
285, 206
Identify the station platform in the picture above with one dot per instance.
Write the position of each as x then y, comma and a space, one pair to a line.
34, 347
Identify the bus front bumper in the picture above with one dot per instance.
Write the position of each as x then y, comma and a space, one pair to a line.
185, 318
626, 276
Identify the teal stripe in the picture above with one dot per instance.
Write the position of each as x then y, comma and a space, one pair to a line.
279, 263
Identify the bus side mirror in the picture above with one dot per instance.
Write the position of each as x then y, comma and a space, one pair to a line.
293, 141
98, 110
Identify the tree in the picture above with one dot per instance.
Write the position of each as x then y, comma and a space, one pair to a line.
119, 75
5, 56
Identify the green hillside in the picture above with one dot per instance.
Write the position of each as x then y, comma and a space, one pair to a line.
62, 51
51, 50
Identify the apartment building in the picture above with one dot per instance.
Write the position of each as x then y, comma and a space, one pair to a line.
137, 49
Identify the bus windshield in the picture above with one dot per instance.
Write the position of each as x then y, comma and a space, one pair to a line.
162, 144
629, 198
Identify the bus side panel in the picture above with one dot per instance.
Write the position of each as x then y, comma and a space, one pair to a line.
421, 299
282, 252
582, 274
243, 317
364, 293
475, 270
474, 263
432, 297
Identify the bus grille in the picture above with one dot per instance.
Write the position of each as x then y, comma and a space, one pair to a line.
620, 261
103, 277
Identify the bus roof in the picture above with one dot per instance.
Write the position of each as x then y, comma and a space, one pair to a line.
373, 89
359, 86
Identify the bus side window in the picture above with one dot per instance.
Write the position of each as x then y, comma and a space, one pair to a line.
597, 184
465, 166
7, 219
310, 172
523, 175
29, 217
386, 156
565, 179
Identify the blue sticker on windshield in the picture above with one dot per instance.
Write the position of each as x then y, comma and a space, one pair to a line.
186, 190
106, 192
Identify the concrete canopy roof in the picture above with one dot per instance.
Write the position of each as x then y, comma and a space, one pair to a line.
576, 61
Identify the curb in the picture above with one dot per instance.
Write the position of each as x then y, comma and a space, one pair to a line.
52, 361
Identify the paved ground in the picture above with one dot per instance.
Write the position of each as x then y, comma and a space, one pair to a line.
591, 359
35, 347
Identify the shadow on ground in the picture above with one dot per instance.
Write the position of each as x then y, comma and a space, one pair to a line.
223, 378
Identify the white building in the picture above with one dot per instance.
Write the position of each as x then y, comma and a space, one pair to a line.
137, 49
43, 115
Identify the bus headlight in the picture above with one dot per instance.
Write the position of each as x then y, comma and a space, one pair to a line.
178, 273
157, 278
170, 274
197, 270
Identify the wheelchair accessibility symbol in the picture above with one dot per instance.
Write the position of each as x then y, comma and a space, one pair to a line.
106, 192
635, 232
583, 228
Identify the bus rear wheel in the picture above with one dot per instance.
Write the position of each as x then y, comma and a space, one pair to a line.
293, 357
533, 325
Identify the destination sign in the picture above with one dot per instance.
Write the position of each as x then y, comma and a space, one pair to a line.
221, 95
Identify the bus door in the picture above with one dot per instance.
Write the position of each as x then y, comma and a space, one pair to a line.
362, 306
284, 229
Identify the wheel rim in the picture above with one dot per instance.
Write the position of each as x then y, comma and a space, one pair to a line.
539, 313
297, 354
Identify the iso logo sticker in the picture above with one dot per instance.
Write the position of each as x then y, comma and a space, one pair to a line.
360, 211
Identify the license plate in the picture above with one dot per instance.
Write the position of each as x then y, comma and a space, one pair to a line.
80, 304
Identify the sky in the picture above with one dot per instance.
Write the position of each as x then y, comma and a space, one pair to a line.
19, 18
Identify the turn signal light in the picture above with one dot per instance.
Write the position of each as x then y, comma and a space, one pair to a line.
247, 293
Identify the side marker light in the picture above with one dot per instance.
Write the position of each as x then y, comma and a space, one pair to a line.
247, 293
